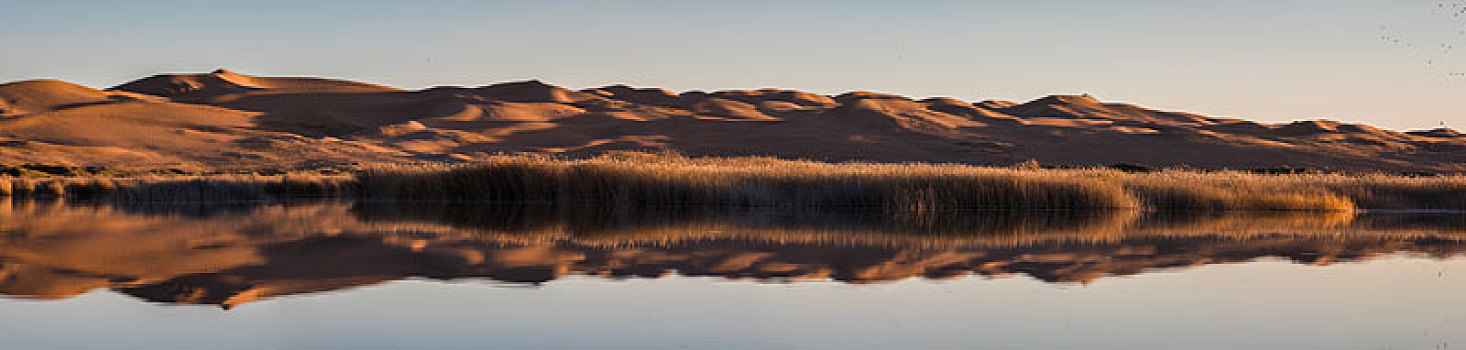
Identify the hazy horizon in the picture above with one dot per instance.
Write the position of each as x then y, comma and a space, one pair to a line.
1377, 62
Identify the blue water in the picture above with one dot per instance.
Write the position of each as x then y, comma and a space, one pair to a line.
324, 276
1400, 302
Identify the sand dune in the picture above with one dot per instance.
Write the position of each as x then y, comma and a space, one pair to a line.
230, 120
224, 83
33, 96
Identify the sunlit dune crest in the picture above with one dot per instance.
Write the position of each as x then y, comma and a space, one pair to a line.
226, 119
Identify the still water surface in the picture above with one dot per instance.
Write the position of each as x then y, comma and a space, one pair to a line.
344, 275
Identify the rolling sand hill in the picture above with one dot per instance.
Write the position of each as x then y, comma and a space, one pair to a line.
230, 120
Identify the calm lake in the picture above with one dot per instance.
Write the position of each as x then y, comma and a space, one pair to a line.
352, 275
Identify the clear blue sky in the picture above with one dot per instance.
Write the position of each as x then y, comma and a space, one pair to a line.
1266, 60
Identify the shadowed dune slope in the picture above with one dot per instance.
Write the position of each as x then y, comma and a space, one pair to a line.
224, 82
225, 119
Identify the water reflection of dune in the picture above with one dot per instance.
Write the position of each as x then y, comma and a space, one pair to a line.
234, 254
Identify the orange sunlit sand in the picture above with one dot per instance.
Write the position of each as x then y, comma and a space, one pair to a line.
228, 120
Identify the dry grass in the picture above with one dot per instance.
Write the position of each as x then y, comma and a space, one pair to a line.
181, 188
644, 180
915, 191
638, 179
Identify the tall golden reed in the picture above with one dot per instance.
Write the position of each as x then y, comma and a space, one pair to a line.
671, 180
639, 179
181, 188
634, 180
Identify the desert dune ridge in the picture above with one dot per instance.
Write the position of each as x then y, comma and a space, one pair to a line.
228, 120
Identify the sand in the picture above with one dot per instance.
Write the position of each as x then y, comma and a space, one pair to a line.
226, 120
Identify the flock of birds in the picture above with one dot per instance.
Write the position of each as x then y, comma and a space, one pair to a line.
1438, 57
1458, 8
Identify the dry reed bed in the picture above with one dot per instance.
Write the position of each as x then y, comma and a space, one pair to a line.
181, 188
641, 180
910, 192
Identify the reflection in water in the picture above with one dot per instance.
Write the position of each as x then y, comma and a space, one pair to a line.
232, 254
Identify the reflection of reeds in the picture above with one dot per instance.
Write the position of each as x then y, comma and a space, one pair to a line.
591, 225
908, 192
231, 253
589, 220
